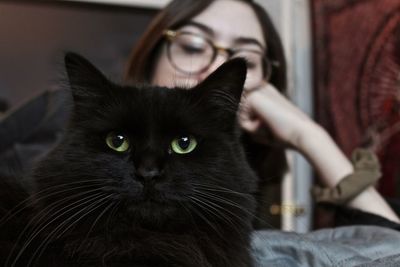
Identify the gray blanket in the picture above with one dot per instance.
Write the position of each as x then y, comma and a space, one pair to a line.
361, 246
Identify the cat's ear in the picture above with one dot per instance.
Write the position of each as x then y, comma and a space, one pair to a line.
85, 80
224, 86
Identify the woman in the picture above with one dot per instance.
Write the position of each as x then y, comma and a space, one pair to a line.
189, 39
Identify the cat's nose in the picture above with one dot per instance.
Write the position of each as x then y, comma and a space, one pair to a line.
146, 174
148, 170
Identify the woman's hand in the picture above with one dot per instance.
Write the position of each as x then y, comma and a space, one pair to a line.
266, 108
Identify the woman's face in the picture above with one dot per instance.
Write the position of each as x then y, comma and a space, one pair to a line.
226, 24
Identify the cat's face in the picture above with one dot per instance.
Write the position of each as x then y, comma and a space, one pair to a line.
154, 154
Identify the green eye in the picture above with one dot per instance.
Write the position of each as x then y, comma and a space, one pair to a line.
184, 144
117, 142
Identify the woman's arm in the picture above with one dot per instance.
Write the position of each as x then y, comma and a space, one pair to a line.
266, 107
332, 165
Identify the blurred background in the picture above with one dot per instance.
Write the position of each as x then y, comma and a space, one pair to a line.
36, 34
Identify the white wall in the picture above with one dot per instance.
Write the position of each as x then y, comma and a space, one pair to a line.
292, 19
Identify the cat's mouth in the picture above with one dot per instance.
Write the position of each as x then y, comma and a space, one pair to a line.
149, 198
151, 202
151, 212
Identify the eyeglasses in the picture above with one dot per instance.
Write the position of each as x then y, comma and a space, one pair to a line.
192, 53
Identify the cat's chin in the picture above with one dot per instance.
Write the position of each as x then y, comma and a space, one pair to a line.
150, 213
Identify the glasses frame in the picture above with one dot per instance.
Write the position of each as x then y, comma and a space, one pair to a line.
171, 35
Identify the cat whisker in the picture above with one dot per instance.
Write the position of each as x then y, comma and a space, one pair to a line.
201, 200
106, 225
218, 188
222, 200
221, 212
55, 205
55, 233
234, 204
113, 211
96, 220
189, 213
196, 202
42, 214
22, 205
101, 200
108, 254
64, 210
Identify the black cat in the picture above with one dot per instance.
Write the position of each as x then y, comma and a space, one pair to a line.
144, 176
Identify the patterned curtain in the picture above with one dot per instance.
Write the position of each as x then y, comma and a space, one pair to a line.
357, 78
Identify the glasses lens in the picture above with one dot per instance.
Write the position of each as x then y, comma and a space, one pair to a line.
254, 66
190, 53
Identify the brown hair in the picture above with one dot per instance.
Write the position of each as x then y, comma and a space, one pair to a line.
145, 54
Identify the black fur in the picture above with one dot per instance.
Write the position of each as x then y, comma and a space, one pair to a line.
93, 206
